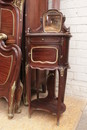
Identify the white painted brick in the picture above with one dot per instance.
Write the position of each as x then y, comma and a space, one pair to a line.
72, 52
81, 61
72, 45
76, 20
78, 28
82, 28
73, 28
79, 68
75, 12
81, 84
81, 45
70, 75
79, 36
80, 76
78, 53
72, 4
72, 60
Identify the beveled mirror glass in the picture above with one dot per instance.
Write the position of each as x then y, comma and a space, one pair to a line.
52, 21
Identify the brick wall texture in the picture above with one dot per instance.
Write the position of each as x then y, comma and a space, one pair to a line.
76, 18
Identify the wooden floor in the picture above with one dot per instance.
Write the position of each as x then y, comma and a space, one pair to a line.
83, 121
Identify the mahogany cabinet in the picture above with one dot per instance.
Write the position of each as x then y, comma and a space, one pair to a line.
33, 13
47, 49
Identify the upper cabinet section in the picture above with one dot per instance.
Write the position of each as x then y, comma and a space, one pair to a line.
52, 21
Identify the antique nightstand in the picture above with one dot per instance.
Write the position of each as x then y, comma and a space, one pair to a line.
47, 49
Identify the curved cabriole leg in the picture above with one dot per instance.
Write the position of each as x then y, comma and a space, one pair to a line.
60, 91
19, 91
51, 85
64, 83
11, 101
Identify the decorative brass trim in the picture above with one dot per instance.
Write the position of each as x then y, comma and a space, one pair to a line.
43, 62
11, 107
10, 67
21, 85
18, 3
3, 36
62, 69
17, 106
13, 18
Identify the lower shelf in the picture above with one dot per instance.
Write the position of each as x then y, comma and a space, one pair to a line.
46, 104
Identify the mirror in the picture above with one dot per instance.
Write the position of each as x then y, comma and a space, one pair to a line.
52, 21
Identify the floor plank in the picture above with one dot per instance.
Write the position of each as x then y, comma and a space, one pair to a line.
83, 121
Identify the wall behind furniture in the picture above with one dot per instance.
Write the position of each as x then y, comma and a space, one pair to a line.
76, 18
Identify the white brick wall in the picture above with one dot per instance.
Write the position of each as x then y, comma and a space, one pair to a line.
76, 18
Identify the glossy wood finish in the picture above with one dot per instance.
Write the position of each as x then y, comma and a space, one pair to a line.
11, 22
33, 12
10, 61
48, 51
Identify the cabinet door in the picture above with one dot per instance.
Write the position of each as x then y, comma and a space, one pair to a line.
34, 10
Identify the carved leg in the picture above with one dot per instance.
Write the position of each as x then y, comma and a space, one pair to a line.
11, 101
60, 91
25, 100
37, 83
44, 87
19, 91
64, 83
51, 85
28, 86
44, 81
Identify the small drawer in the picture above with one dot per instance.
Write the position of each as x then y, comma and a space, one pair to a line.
45, 39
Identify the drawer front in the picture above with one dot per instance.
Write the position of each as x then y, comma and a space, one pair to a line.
44, 54
45, 39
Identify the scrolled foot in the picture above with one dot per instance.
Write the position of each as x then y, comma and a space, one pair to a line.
10, 112
10, 115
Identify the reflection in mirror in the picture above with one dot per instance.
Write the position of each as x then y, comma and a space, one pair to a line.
52, 21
